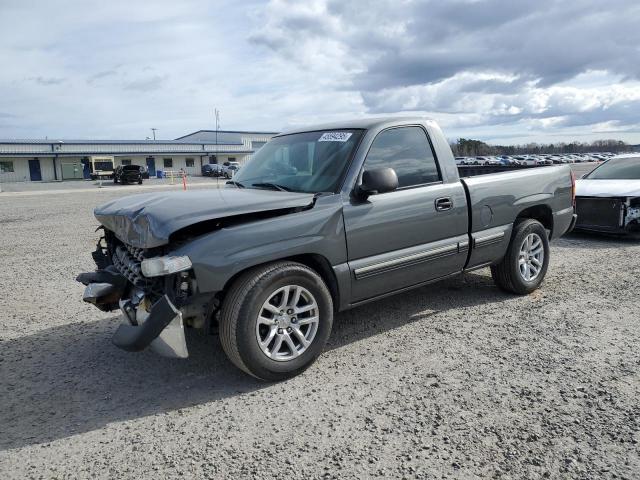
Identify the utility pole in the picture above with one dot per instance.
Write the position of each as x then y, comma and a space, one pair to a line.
154, 132
216, 114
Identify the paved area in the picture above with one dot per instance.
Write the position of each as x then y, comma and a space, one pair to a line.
99, 187
454, 380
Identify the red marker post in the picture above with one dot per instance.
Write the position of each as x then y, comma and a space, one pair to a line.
184, 181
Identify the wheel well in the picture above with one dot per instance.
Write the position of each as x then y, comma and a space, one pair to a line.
322, 267
541, 213
317, 263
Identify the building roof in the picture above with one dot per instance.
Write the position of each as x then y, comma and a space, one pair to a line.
202, 142
209, 136
240, 132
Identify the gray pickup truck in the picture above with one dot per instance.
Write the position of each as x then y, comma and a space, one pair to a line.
320, 220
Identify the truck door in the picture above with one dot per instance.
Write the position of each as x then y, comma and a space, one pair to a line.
414, 234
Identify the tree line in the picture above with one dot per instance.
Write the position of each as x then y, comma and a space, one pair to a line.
466, 147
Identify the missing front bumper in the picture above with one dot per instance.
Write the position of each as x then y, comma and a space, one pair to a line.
161, 329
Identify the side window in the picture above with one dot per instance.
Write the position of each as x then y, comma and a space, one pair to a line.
408, 152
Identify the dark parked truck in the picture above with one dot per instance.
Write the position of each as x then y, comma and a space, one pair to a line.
320, 220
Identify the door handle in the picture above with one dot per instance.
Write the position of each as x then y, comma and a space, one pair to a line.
443, 204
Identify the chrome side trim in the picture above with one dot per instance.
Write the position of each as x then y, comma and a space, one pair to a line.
488, 240
405, 261
463, 246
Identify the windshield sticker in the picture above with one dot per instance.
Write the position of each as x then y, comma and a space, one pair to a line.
334, 137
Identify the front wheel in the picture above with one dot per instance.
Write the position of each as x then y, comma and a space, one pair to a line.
524, 267
275, 320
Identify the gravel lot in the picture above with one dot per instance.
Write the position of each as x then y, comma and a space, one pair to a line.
453, 380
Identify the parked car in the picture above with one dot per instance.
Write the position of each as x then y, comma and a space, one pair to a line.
492, 161
505, 160
484, 160
608, 198
268, 260
526, 160
229, 169
212, 170
128, 174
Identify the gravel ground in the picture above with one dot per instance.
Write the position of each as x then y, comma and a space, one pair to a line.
453, 380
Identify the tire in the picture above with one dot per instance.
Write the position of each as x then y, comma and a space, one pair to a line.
115, 180
240, 328
140, 182
509, 275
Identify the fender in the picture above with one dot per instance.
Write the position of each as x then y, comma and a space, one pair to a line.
218, 256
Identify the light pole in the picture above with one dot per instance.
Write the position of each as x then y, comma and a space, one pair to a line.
154, 132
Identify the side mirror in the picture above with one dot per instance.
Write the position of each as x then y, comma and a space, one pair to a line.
379, 180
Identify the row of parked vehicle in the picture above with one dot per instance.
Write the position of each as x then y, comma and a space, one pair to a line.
532, 160
226, 170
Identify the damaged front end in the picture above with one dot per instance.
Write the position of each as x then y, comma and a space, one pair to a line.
153, 291
611, 215
631, 221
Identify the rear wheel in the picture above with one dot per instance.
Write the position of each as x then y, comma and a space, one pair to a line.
275, 320
524, 267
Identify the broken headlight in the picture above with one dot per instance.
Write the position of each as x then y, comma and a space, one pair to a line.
158, 266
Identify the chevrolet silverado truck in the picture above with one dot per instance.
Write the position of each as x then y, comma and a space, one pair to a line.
320, 220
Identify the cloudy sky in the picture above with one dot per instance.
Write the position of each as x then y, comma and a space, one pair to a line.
508, 71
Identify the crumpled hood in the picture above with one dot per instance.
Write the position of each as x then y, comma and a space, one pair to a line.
147, 220
608, 188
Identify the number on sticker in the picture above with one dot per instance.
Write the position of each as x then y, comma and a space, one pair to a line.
335, 137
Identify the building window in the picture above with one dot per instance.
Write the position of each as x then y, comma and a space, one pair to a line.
231, 159
168, 162
6, 166
213, 159
257, 145
125, 161
189, 162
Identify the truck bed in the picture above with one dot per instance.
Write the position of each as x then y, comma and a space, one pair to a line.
496, 200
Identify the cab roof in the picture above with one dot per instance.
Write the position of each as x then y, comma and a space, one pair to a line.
359, 123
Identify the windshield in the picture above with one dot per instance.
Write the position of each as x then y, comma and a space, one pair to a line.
103, 165
627, 168
308, 162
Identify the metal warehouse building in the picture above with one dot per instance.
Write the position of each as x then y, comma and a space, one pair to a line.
55, 160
